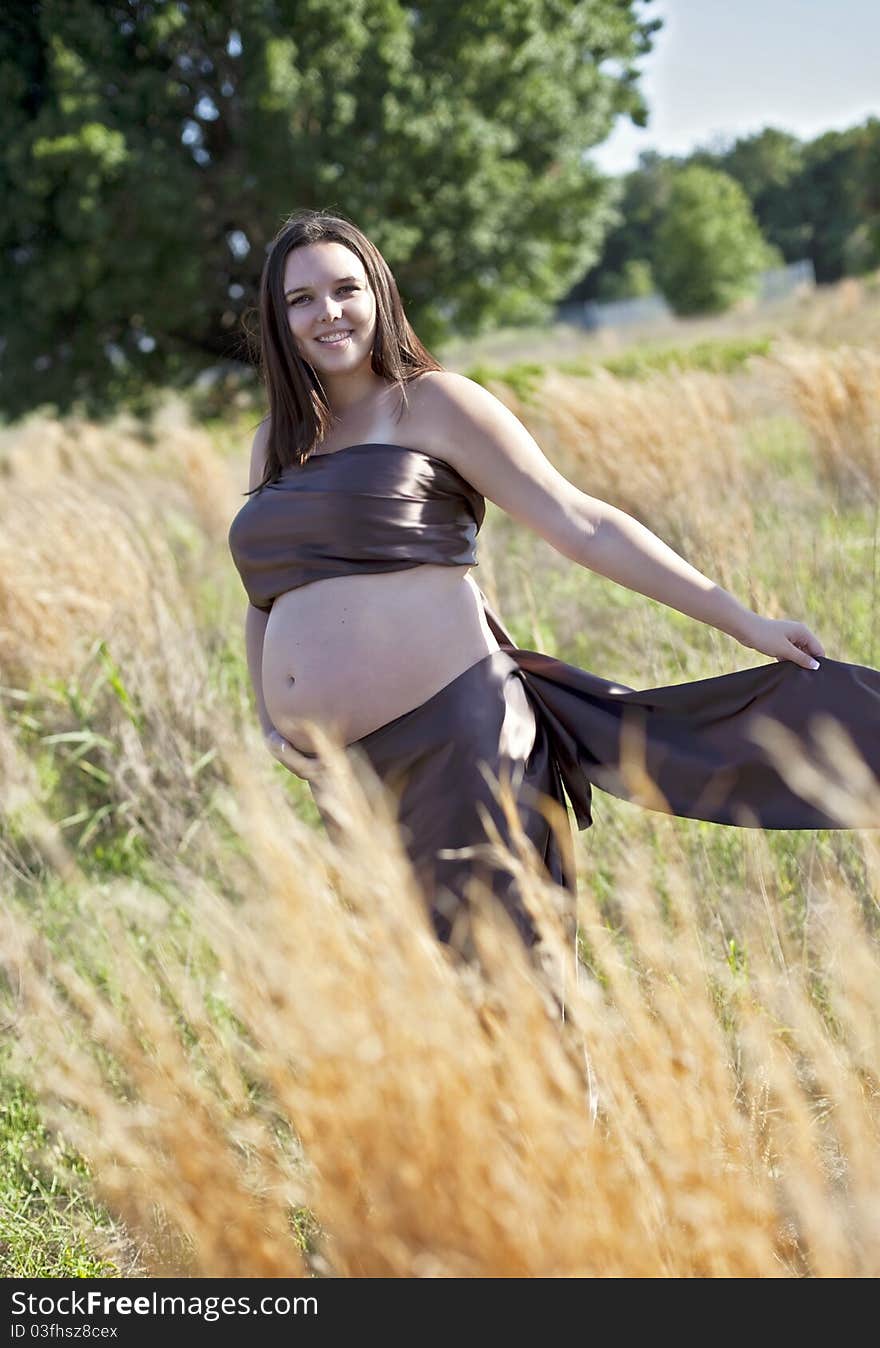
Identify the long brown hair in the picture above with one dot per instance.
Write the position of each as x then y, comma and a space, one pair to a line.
299, 416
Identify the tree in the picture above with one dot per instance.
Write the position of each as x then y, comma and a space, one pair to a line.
150, 148
637, 215
839, 196
634, 281
868, 233
816, 200
708, 248
770, 167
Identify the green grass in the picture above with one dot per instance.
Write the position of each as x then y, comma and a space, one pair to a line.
715, 357
721, 356
43, 1215
521, 376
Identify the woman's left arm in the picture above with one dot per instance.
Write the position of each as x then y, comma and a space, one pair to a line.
492, 449
622, 549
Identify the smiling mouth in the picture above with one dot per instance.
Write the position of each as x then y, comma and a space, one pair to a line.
335, 338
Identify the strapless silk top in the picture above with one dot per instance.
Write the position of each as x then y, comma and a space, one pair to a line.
366, 508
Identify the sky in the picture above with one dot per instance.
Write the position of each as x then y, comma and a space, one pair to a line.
727, 68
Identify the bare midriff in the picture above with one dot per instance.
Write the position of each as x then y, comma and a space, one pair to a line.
351, 653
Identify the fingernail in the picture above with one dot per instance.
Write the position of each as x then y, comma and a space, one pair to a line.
814, 664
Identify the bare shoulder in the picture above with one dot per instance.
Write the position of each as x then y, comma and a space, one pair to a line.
456, 410
446, 390
487, 444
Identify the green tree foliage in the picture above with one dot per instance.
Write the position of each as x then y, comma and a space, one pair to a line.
818, 200
633, 281
637, 215
839, 191
150, 148
770, 167
708, 248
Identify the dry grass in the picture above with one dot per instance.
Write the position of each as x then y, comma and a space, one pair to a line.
836, 395
695, 1115
665, 449
87, 537
271, 1066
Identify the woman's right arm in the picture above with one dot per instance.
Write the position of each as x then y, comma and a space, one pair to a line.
254, 635
254, 632
255, 618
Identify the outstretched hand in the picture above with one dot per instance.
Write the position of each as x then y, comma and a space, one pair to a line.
784, 639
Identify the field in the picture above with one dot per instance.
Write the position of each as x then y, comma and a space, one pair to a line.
233, 1049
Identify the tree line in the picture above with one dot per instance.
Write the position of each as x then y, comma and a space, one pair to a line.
699, 227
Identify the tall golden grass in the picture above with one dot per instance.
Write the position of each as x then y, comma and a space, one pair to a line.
658, 448
272, 1067
836, 394
303, 1042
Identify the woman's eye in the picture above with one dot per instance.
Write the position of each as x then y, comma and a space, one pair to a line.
305, 297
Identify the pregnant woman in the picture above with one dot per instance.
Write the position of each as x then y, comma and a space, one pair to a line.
368, 484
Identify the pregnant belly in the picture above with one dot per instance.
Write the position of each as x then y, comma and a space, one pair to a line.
353, 652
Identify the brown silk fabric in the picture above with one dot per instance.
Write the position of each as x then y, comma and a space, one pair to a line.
370, 507
553, 725
700, 742
434, 759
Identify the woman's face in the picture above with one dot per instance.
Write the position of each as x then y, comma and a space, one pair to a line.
327, 292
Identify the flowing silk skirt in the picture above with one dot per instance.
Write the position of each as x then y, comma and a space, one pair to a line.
554, 730
433, 759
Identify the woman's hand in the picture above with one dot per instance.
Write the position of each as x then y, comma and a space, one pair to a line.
283, 752
784, 639
276, 744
